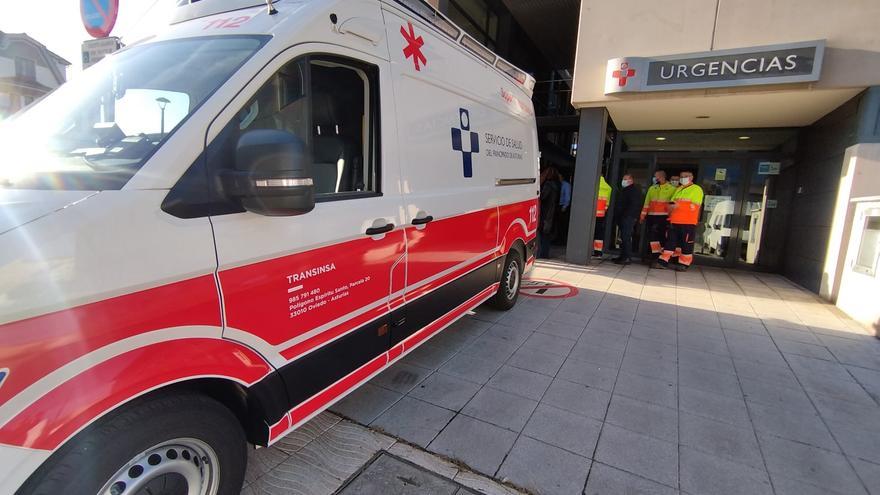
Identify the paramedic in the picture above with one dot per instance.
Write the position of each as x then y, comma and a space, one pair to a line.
601, 210
655, 213
684, 214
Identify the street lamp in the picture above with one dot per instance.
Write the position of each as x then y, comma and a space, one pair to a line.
163, 102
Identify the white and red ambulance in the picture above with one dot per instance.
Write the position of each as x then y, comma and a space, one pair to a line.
218, 232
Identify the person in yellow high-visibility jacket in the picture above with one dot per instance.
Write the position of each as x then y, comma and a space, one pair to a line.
602, 204
655, 213
684, 214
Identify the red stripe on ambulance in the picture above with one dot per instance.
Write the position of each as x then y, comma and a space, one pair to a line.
63, 336
60, 413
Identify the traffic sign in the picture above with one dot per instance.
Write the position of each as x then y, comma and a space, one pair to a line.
99, 16
93, 51
550, 289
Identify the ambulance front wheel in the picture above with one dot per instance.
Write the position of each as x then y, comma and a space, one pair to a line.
170, 444
511, 279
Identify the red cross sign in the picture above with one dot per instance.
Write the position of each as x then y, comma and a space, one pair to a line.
622, 74
414, 46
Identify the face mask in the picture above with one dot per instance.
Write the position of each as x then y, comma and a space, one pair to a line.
685, 181
654, 180
625, 183
674, 182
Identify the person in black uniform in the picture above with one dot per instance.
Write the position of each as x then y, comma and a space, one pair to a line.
627, 207
549, 202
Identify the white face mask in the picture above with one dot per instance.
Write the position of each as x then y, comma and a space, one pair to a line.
685, 181
625, 183
674, 182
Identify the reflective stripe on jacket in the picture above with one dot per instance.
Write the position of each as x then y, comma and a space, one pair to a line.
657, 199
604, 197
688, 200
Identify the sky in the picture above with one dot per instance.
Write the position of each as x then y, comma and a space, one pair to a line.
57, 23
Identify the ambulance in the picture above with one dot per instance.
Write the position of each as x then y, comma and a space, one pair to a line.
220, 231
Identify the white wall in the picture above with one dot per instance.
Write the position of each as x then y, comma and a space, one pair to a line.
859, 292
855, 293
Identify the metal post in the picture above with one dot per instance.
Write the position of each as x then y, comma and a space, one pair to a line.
585, 184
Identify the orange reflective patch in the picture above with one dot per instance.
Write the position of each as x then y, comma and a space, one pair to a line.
658, 207
601, 207
685, 213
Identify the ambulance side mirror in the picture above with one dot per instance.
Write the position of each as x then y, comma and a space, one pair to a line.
272, 174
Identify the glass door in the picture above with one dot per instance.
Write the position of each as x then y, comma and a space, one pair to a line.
738, 202
718, 230
758, 206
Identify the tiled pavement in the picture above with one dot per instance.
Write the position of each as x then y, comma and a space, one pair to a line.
647, 381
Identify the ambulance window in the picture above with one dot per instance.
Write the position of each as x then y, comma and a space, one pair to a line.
344, 132
331, 103
280, 104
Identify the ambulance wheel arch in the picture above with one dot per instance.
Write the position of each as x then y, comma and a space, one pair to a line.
236, 383
180, 439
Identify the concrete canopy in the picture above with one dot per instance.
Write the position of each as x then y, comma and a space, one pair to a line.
634, 28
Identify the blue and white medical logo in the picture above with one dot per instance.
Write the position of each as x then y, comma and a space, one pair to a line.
4, 372
462, 135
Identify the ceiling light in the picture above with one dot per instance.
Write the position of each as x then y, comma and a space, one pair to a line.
660, 138
744, 138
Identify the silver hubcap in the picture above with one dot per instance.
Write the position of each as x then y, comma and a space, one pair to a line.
183, 466
512, 280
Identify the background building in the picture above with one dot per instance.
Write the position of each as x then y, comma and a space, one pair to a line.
788, 152
28, 70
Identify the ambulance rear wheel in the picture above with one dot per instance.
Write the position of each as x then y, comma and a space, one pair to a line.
511, 279
171, 444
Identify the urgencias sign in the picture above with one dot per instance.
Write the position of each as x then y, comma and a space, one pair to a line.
775, 64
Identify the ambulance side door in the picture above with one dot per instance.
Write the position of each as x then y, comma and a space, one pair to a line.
449, 192
311, 292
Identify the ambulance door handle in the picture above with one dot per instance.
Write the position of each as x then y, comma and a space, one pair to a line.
380, 230
423, 221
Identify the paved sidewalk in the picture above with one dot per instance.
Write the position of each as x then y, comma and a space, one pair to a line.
331, 455
647, 381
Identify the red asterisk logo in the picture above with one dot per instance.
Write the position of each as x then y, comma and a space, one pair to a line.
414, 46
622, 74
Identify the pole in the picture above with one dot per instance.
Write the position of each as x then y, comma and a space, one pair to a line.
585, 184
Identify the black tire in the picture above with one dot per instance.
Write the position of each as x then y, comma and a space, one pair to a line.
93, 458
511, 280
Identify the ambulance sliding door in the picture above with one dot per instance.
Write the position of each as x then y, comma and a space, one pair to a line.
451, 210
311, 292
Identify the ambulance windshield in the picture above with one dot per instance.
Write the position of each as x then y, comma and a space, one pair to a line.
96, 132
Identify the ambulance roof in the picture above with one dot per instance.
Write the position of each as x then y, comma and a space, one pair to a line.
194, 9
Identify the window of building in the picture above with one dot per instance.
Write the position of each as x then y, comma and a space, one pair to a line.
25, 69
331, 103
475, 17
869, 246
27, 100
